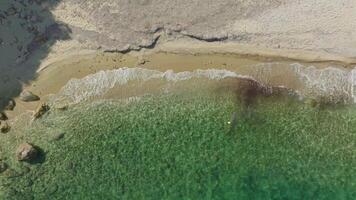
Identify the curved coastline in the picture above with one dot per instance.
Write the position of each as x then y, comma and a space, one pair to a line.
177, 55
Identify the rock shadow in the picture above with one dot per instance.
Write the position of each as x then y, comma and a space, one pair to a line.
41, 156
27, 31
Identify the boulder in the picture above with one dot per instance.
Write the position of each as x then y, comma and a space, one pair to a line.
28, 96
26, 152
41, 110
4, 127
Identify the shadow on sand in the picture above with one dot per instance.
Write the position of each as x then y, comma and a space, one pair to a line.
27, 31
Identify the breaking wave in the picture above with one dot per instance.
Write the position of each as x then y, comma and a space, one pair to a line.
77, 90
334, 83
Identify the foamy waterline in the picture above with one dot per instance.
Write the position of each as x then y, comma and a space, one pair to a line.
77, 90
329, 82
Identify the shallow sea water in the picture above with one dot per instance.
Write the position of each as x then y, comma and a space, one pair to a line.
191, 144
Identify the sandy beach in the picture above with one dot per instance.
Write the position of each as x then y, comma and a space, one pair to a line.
178, 56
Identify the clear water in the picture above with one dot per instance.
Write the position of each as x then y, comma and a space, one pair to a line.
189, 145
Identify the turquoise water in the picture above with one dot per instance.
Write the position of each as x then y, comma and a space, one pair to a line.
182, 146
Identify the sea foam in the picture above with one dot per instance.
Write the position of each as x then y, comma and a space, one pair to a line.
327, 82
77, 90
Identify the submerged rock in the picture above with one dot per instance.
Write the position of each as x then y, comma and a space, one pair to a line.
58, 136
26, 152
41, 110
321, 102
61, 107
10, 173
3, 116
3, 166
311, 102
4, 127
28, 96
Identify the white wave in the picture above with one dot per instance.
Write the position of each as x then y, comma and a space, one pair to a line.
77, 90
333, 83
328, 82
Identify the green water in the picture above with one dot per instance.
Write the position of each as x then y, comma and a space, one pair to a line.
182, 147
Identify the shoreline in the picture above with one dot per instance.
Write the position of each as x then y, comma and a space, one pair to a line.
178, 55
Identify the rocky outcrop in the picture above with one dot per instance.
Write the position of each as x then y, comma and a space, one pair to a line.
28, 96
26, 152
41, 110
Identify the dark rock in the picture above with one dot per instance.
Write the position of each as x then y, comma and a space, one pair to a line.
10, 105
3, 166
28, 96
41, 110
26, 152
3, 116
41, 39
142, 62
4, 127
